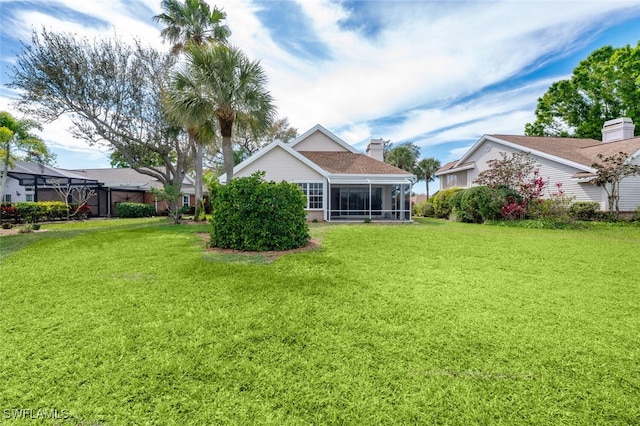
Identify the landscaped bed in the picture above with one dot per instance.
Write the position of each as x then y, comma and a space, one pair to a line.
134, 322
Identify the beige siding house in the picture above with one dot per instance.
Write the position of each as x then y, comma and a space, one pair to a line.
340, 183
561, 160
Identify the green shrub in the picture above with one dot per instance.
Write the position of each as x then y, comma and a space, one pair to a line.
481, 203
128, 210
455, 201
40, 211
584, 210
636, 215
31, 212
471, 204
250, 214
54, 210
441, 202
424, 209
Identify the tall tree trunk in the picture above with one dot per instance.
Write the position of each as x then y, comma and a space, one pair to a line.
427, 182
198, 183
227, 154
225, 119
5, 171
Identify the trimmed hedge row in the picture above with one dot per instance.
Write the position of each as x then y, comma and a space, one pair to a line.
250, 214
128, 210
40, 211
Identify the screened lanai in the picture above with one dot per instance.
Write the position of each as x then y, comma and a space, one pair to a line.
375, 200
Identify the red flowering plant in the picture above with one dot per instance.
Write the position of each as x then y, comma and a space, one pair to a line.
532, 189
9, 213
514, 209
80, 211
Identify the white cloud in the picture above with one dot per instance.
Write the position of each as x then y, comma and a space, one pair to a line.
355, 133
426, 55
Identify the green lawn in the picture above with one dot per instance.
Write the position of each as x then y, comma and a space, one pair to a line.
130, 322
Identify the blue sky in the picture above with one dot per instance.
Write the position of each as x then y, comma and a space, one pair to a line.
437, 73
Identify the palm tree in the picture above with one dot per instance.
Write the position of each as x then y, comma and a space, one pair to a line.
427, 168
403, 156
191, 25
222, 82
16, 137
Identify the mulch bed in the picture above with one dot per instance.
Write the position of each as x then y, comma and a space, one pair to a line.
313, 244
15, 230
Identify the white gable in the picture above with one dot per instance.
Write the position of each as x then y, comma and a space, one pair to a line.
320, 139
279, 165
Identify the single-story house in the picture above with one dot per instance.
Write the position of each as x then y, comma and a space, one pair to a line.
340, 183
561, 160
120, 185
28, 182
33, 182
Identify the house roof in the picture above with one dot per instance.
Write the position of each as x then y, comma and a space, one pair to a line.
327, 133
121, 177
39, 174
326, 163
451, 164
125, 178
581, 153
350, 163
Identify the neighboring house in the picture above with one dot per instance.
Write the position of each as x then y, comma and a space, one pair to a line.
127, 185
33, 182
561, 160
340, 183
418, 198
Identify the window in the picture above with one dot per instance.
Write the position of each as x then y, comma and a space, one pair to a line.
314, 193
7, 198
29, 198
185, 200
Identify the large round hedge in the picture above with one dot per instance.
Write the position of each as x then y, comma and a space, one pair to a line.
254, 215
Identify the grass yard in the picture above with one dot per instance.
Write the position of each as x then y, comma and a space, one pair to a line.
131, 322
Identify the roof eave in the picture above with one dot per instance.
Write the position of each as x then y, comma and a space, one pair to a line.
456, 169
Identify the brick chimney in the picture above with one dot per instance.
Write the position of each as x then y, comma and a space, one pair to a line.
617, 129
374, 149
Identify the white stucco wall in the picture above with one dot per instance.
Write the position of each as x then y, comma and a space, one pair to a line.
279, 165
13, 188
318, 141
